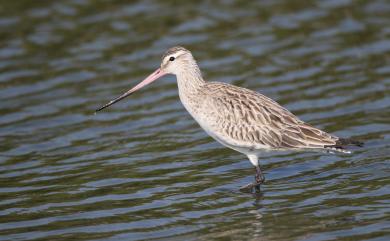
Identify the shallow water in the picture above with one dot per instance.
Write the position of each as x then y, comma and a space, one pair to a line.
143, 169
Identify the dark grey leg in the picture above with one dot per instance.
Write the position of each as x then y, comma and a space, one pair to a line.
259, 179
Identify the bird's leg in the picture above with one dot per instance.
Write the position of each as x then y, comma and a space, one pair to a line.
259, 178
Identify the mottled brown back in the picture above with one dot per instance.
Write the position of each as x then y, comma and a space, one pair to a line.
248, 116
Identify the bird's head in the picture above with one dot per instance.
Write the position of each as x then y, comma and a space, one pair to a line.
175, 60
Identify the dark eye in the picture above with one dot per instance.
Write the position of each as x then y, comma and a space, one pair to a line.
172, 58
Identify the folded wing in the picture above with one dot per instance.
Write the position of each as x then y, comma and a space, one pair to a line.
250, 117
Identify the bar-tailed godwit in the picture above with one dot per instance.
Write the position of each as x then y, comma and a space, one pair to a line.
239, 118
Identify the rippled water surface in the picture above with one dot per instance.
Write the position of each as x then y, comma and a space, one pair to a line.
143, 169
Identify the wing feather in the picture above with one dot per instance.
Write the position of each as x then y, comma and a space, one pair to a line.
248, 117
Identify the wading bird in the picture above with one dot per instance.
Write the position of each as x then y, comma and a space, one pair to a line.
239, 118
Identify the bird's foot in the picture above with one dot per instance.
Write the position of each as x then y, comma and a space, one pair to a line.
255, 186
259, 179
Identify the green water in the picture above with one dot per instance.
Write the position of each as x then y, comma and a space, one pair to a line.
143, 169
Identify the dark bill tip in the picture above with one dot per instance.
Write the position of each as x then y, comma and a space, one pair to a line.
113, 101
152, 77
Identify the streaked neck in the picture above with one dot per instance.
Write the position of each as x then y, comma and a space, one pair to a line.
189, 79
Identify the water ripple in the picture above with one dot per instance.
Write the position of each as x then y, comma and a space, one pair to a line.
143, 169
